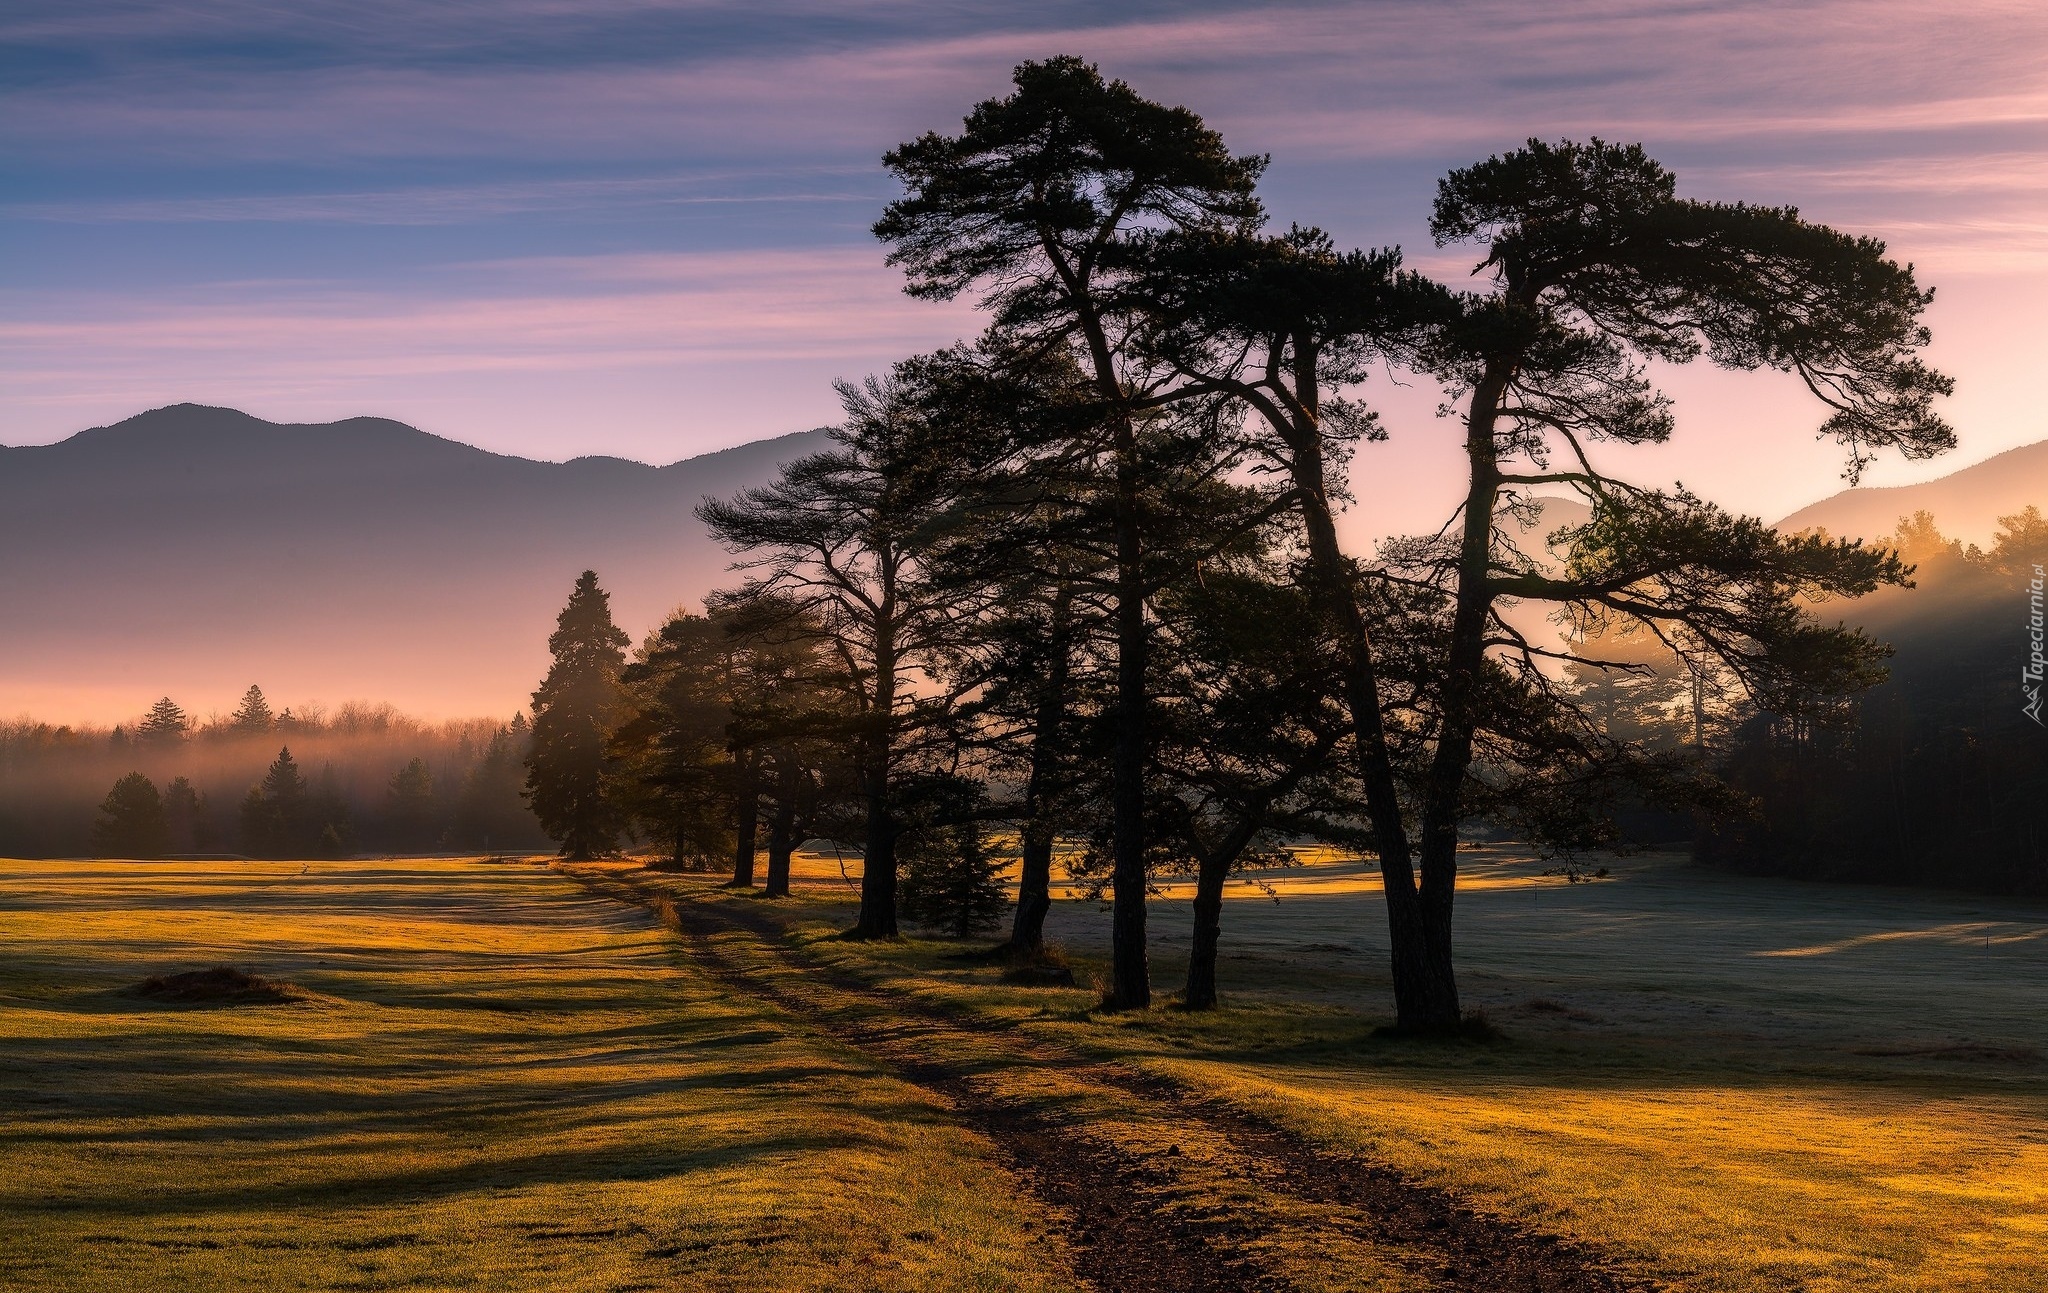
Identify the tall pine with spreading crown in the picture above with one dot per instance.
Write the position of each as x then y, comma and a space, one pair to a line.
575, 712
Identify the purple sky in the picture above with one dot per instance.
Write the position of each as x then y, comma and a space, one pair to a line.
557, 227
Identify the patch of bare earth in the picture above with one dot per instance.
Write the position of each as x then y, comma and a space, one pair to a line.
1154, 1186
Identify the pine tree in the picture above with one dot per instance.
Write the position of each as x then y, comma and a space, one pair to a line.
253, 714
410, 806
131, 820
489, 812
184, 810
575, 711
950, 881
274, 815
327, 831
165, 723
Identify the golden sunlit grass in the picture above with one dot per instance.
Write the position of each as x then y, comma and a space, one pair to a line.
497, 1082
1749, 1085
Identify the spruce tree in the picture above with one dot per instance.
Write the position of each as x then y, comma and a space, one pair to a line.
184, 810
489, 811
165, 723
131, 820
575, 711
274, 815
950, 881
253, 714
410, 807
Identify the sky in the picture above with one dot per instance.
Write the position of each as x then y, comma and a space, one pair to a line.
636, 227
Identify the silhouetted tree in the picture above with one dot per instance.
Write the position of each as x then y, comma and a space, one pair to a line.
410, 807
575, 711
131, 820
794, 721
1249, 721
187, 818
676, 769
1596, 266
835, 542
276, 818
950, 881
1040, 203
165, 724
253, 714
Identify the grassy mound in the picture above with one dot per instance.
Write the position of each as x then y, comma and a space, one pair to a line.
222, 985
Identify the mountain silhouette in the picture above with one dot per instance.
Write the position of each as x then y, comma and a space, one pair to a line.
1966, 504
194, 550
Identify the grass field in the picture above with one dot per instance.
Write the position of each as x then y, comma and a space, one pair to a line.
501, 1083
506, 1081
1746, 1084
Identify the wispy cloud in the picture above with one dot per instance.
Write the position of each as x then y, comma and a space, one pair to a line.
438, 205
393, 129
731, 344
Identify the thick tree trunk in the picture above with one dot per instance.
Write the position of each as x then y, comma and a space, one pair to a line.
1130, 974
878, 852
1200, 992
1034, 891
1035, 846
1425, 989
782, 834
1444, 784
878, 864
746, 825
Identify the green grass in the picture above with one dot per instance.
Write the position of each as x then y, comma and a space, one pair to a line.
501, 1080
1747, 1085
498, 1082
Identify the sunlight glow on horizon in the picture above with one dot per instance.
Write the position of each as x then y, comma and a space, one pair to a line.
640, 230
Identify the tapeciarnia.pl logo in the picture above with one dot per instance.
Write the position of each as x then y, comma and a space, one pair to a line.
2030, 678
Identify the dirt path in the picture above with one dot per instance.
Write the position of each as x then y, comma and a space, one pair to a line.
1155, 1187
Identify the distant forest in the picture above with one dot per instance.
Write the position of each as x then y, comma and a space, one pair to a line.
1942, 777
263, 784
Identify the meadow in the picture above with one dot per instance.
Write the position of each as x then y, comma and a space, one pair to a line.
1732, 1083
507, 1075
495, 1082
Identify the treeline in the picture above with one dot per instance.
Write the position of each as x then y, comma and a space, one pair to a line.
1943, 777
259, 783
1082, 579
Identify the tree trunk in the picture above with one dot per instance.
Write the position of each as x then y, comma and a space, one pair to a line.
746, 824
1425, 991
878, 852
782, 833
1130, 975
878, 863
1035, 845
1444, 783
1200, 992
1034, 891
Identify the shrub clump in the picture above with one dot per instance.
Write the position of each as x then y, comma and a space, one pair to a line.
221, 985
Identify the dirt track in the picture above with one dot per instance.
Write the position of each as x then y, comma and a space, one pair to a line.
1153, 1186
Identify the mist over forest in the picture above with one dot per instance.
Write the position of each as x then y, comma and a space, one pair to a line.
371, 780
1941, 776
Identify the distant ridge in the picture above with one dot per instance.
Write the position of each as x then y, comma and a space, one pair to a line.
1965, 504
194, 550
